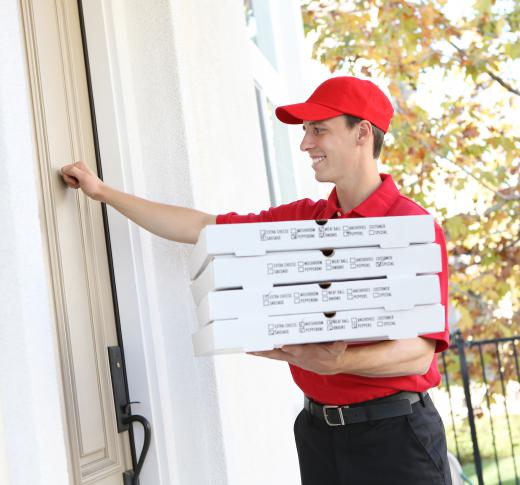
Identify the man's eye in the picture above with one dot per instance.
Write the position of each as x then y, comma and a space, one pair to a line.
317, 129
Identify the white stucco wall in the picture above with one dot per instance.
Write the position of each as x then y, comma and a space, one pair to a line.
144, 151
32, 442
257, 398
188, 134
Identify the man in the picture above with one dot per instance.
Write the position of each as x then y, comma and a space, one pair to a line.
367, 418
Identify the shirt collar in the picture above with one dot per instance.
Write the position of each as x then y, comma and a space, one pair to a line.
377, 204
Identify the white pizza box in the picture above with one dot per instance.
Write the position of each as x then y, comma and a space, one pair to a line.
253, 239
251, 334
388, 293
291, 267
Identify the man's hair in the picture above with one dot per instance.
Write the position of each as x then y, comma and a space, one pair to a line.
378, 134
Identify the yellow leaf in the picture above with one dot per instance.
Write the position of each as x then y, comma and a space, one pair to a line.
466, 321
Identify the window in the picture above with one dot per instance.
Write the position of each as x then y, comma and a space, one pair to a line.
270, 90
260, 28
277, 153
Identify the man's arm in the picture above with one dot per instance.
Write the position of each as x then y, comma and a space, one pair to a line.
176, 223
390, 358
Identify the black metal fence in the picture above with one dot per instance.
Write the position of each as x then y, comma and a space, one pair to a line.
489, 366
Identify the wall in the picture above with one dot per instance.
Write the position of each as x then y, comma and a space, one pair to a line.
257, 398
186, 130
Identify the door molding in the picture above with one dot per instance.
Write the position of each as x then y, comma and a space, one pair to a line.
101, 18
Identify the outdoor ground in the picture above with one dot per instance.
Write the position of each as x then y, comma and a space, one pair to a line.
507, 472
502, 441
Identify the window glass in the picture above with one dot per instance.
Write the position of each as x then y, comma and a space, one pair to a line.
277, 153
260, 28
284, 166
269, 86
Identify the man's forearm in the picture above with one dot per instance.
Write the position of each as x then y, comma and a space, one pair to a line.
389, 359
179, 224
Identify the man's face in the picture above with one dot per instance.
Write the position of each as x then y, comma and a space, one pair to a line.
331, 144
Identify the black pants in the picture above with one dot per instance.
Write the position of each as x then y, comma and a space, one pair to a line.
406, 450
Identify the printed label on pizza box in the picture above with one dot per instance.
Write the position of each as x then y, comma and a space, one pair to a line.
258, 238
249, 334
387, 293
292, 267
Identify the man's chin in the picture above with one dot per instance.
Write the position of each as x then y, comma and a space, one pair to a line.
321, 178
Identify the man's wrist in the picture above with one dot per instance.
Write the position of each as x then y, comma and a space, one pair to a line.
344, 363
103, 193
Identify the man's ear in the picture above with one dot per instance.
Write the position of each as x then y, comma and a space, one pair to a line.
364, 132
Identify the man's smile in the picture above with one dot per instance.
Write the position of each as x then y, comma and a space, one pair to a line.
316, 159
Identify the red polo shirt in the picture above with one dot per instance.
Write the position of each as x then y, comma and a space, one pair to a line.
348, 388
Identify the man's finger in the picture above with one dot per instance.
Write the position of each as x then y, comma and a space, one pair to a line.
337, 347
69, 169
75, 167
70, 174
295, 349
70, 180
276, 354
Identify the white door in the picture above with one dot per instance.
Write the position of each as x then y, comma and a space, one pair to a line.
72, 226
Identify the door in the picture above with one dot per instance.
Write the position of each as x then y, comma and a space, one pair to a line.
72, 226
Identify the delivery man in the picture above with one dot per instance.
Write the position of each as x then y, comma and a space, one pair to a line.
367, 417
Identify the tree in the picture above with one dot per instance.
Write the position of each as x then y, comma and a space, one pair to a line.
465, 149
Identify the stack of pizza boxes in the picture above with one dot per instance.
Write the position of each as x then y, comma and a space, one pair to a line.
259, 286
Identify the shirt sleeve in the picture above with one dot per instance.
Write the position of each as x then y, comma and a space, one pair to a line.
298, 210
442, 338
234, 218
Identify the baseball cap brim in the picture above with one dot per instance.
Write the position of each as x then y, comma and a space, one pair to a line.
294, 114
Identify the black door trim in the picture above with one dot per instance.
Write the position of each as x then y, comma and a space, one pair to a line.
105, 217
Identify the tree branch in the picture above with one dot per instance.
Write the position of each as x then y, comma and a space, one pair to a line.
491, 74
500, 81
473, 176
497, 192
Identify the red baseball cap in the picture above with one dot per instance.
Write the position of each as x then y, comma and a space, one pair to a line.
341, 95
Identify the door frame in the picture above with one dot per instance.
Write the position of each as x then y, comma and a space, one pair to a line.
97, 20
113, 288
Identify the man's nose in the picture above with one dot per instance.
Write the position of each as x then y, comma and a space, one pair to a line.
307, 142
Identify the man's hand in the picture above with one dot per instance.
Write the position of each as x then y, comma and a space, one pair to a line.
79, 176
324, 358
389, 358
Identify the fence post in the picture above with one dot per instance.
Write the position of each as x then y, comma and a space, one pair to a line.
459, 341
